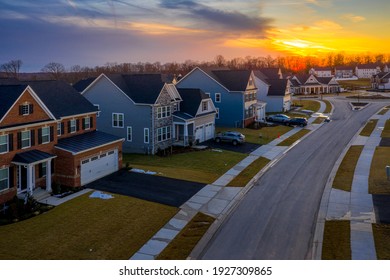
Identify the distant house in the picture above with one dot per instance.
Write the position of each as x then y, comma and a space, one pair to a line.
322, 72
48, 135
232, 91
381, 81
310, 84
385, 68
274, 91
365, 71
344, 72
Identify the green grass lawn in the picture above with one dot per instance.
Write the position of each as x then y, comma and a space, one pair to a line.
386, 130
344, 175
182, 245
289, 141
200, 166
311, 105
328, 108
382, 240
337, 241
86, 228
318, 120
248, 173
383, 111
377, 182
369, 128
355, 83
259, 136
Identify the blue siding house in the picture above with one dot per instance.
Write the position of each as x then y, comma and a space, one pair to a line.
232, 91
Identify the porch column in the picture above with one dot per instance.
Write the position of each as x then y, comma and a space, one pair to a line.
30, 179
185, 134
48, 175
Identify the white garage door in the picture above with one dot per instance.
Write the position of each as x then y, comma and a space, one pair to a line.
199, 135
98, 166
209, 131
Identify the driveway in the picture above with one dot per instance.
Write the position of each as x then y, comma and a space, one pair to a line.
245, 148
158, 189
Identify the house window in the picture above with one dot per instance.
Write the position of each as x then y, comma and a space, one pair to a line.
97, 106
146, 135
59, 130
4, 182
217, 113
3, 144
43, 169
87, 123
208, 93
129, 134
163, 112
117, 120
26, 109
73, 126
204, 106
217, 97
45, 135
163, 133
25, 139
175, 107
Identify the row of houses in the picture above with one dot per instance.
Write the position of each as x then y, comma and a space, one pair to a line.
54, 133
362, 71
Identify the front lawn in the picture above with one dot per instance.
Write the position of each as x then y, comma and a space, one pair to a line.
260, 136
337, 241
386, 130
290, 140
86, 228
382, 241
248, 173
344, 175
311, 105
369, 128
378, 183
200, 166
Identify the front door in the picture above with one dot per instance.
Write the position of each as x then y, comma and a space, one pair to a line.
22, 178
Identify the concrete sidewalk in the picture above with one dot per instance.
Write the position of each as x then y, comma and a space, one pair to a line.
215, 199
357, 205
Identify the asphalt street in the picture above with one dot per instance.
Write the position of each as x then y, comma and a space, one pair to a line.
276, 219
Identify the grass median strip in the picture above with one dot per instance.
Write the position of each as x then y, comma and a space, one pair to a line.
377, 182
383, 111
369, 128
289, 141
337, 241
386, 130
200, 166
328, 108
382, 240
248, 173
86, 228
344, 175
318, 120
182, 245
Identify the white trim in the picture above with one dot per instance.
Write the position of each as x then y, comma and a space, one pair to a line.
21, 139
131, 134
59, 123
48, 135
97, 147
7, 143
148, 130
7, 169
76, 116
89, 123
220, 97
216, 113
35, 162
123, 120
75, 126
27, 126
98, 111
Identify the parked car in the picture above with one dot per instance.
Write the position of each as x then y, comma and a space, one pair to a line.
279, 118
230, 136
298, 122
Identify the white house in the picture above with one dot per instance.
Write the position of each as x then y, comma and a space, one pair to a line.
365, 71
381, 81
344, 72
321, 72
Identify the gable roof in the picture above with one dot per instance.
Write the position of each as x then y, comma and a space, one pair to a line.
367, 66
8, 96
324, 80
270, 73
326, 68
8, 81
278, 87
81, 85
260, 75
232, 80
351, 68
192, 97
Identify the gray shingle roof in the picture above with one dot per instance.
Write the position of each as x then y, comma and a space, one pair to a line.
278, 87
86, 141
31, 157
81, 85
8, 96
270, 73
192, 98
233, 80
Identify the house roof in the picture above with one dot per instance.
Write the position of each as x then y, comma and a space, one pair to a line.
8, 81
270, 73
278, 87
141, 88
324, 80
233, 80
192, 98
322, 68
86, 141
81, 85
367, 66
61, 99
351, 68
261, 76
382, 75
295, 83
8, 96
182, 115
31, 157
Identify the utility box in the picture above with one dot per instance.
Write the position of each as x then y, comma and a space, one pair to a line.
388, 172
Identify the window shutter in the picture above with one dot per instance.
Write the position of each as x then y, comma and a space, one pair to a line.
51, 134
68, 126
91, 122
11, 178
77, 125
39, 136
40, 170
83, 123
20, 110
32, 136
62, 128
19, 140
31, 108
10, 142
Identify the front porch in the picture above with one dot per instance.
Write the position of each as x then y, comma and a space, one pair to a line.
33, 168
183, 133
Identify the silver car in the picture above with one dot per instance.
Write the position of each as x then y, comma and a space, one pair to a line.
279, 118
233, 137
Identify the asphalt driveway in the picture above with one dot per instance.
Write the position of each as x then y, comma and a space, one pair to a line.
158, 189
245, 148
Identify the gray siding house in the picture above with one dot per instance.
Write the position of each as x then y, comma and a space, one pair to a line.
138, 107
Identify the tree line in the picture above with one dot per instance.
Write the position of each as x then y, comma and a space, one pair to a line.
289, 64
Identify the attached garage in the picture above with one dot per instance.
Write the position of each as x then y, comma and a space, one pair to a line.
98, 166
204, 132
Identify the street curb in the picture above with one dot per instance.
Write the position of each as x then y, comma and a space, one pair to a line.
322, 212
213, 229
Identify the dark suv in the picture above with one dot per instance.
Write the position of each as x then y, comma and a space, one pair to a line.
230, 136
298, 122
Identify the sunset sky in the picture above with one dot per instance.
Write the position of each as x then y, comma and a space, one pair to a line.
93, 32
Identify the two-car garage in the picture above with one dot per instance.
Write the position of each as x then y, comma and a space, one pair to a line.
204, 132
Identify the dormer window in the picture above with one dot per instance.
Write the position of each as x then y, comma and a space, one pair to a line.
204, 106
26, 109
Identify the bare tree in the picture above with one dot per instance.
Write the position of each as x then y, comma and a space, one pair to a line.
55, 69
12, 68
220, 61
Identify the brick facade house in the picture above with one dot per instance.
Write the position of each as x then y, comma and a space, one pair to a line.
48, 135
